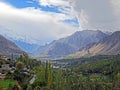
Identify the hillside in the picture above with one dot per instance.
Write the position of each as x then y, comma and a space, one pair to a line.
7, 47
107, 46
27, 47
70, 44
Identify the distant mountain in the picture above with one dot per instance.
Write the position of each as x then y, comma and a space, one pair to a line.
70, 44
107, 46
27, 47
7, 47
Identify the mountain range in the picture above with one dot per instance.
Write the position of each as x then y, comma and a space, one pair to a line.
106, 46
81, 43
27, 47
70, 44
7, 47
109, 45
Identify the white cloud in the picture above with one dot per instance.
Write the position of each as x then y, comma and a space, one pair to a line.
83, 19
98, 14
116, 9
33, 25
54, 2
62, 5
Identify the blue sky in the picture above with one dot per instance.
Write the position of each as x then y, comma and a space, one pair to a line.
23, 3
35, 4
30, 3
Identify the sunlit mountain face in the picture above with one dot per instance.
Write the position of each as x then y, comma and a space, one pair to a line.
71, 44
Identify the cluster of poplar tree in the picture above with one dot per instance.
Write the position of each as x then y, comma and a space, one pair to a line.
82, 78
99, 75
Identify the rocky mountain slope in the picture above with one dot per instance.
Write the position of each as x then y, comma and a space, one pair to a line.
107, 46
7, 47
70, 44
27, 47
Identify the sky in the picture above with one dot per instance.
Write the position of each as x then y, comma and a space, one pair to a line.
42, 21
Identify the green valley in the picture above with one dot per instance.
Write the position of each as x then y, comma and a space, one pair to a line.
95, 73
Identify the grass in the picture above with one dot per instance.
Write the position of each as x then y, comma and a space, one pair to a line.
7, 83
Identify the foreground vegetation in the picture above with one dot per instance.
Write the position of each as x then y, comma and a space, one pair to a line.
101, 74
7, 83
95, 73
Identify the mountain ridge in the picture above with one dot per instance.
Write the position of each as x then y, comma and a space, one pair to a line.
70, 44
107, 46
7, 47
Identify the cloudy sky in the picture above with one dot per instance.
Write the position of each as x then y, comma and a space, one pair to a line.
41, 21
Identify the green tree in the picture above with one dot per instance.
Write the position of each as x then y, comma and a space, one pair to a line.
27, 59
29, 87
50, 76
19, 65
37, 88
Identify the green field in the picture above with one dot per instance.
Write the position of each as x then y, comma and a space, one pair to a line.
7, 83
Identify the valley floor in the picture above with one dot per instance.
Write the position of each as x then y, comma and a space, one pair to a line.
94, 73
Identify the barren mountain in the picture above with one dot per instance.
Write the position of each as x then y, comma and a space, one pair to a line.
7, 47
107, 46
70, 44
